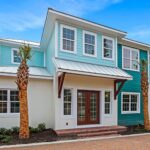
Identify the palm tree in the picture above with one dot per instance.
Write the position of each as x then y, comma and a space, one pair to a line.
22, 83
144, 86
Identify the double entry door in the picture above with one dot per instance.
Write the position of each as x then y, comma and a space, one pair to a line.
88, 107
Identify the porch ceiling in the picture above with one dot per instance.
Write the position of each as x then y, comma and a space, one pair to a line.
90, 69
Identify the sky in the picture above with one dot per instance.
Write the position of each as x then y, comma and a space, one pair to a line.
24, 19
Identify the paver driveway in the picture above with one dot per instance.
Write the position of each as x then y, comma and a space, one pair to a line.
125, 143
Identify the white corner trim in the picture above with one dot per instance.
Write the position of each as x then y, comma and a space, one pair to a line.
131, 49
83, 42
56, 38
61, 38
138, 103
109, 38
116, 49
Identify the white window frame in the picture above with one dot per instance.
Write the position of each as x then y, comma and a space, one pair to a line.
61, 39
131, 49
95, 46
71, 115
138, 101
113, 49
12, 55
111, 98
8, 113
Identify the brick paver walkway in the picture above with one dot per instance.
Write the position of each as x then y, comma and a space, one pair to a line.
126, 143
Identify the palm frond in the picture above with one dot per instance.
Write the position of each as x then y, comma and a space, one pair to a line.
144, 65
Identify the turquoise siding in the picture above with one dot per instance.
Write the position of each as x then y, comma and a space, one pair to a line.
5, 53
50, 52
131, 86
79, 55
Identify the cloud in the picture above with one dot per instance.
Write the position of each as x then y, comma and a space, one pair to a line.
82, 7
141, 33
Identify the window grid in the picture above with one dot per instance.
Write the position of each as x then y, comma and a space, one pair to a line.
11, 105
67, 101
131, 61
130, 102
68, 39
108, 48
89, 44
93, 109
3, 101
107, 102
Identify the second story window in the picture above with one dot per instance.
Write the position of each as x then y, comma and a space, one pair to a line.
15, 56
130, 58
68, 42
89, 46
107, 48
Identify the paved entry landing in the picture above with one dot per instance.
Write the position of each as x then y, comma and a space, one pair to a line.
95, 131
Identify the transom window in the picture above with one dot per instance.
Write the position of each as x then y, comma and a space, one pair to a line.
67, 101
108, 97
89, 43
130, 59
68, 38
9, 101
108, 48
15, 56
130, 103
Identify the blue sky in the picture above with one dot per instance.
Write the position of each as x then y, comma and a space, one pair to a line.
24, 19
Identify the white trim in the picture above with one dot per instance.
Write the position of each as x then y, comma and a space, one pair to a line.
138, 103
56, 38
61, 38
87, 22
113, 49
131, 49
95, 45
44, 58
148, 53
12, 55
116, 48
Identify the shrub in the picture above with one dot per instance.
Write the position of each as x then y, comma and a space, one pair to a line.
3, 131
33, 130
42, 127
5, 138
8, 132
15, 129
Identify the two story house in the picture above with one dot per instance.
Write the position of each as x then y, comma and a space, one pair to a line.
82, 74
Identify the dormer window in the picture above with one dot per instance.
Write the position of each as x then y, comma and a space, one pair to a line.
68, 39
15, 56
89, 43
107, 48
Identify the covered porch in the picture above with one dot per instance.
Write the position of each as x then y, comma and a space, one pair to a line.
86, 94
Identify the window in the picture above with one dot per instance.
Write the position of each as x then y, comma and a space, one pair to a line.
130, 59
108, 97
130, 103
108, 48
9, 101
68, 39
15, 56
67, 101
89, 44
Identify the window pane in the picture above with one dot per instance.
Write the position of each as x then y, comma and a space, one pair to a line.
108, 43
134, 55
126, 53
126, 103
93, 110
89, 49
67, 101
126, 63
89, 39
107, 53
3, 107
107, 96
68, 45
14, 106
135, 65
68, 34
134, 102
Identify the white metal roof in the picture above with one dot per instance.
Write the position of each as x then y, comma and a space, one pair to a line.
34, 72
90, 69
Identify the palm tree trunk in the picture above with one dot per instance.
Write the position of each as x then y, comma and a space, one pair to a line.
24, 123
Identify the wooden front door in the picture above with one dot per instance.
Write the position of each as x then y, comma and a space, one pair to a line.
87, 107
